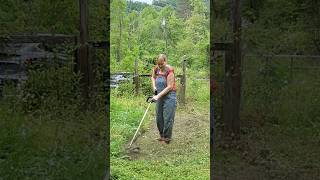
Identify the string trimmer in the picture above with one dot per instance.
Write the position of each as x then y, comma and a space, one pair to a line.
149, 100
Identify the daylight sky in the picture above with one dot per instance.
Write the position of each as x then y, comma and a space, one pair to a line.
145, 1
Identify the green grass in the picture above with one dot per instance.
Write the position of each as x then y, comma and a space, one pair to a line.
51, 147
126, 114
279, 115
188, 166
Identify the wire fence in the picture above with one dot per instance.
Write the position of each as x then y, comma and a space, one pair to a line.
34, 72
275, 84
281, 94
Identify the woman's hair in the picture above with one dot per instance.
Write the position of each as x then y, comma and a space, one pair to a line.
161, 56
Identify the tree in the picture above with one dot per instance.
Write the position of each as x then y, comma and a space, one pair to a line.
184, 8
117, 24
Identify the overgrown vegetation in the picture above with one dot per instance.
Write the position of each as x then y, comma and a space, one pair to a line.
272, 27
142, 35
279, 100
45, 131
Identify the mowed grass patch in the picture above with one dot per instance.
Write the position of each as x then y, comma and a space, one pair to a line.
126, 113
49, 147
187, 166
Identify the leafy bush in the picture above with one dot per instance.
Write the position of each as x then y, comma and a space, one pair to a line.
124, 89
53, 88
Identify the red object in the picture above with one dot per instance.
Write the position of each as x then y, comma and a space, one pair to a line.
213, 86
168, 71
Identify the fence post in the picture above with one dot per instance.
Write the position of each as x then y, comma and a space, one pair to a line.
182, 93
83, 53
291, 66
236, 72
136, 76
228, 104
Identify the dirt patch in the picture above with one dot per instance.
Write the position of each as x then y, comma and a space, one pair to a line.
265, 153
190, 131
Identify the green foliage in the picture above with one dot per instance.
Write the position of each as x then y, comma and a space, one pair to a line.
279, 104
61, 88
135, 6
268, 27
198, 93
51, 146
45, 134
125, 89
51, 16
184, 8
143, 35
173, 169
44, 131
125, 114
164, 3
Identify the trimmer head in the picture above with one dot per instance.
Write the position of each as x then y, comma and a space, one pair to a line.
133, 149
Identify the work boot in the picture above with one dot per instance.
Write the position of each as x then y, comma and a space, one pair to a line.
167, 140
160, 139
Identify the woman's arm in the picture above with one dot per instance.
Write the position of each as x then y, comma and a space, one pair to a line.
170, 82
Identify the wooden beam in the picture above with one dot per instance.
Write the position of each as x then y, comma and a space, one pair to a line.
236, 68
212, 123
99, 44
136, 76
182, 92
283, 56
148, 75
222, 46
84, 33
228, 104
38, 38
84, 64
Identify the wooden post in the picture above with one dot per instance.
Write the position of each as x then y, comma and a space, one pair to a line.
83, 53
230, 111
182, 93
136, 76
76, 68
291, 66
236, 71
228, 103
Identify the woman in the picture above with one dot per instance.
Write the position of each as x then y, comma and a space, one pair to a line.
163, 82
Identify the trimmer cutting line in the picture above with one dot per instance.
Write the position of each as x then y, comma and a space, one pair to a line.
149, 100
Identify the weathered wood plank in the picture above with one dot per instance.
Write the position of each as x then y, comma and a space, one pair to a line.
283, 56
136, 76
83, 54
222, 46
182, 88
228, 104
236, 68
99, 44
38, 38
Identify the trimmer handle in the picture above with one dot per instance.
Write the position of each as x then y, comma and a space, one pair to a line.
150, 100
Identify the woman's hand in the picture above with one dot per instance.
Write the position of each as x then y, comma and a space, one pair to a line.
154, 90
155, 98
